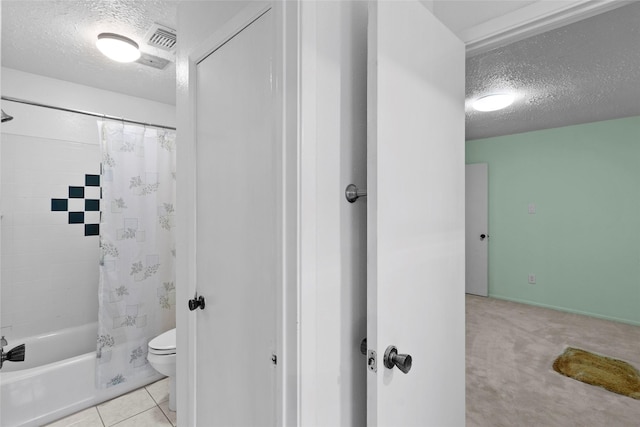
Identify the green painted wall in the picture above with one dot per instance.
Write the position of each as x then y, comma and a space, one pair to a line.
583, 242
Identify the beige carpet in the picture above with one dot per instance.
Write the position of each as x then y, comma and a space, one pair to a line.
510, 380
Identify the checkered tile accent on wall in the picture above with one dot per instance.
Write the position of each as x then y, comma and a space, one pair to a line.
83, 205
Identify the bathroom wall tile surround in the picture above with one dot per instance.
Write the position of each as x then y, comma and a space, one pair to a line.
83, 205
48, 264
92, 180
76, 217
91, 204
91, 230
76, 192
59, 204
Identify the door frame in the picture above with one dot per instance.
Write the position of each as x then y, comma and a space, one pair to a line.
533, 19
286, 131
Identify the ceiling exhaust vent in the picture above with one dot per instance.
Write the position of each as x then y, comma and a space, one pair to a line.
161, 37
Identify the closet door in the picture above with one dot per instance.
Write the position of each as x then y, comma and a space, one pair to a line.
477, 227
415, 223
237, 231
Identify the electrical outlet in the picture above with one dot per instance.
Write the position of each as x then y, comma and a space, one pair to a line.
532, 278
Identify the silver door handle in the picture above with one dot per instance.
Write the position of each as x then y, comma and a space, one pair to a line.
401, 361
353, 193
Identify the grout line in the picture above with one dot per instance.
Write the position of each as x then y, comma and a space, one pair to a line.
165, 415
139, 413
100, 416
150, 409
153, 398
150, 395
136, 414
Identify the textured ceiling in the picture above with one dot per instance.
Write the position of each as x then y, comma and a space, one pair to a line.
583, 72
57, 39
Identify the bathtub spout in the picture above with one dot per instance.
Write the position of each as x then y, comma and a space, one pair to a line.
16, 354
3, 343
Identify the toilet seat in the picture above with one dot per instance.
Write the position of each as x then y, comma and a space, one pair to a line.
164, 343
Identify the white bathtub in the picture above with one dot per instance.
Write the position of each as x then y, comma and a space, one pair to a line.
56, 379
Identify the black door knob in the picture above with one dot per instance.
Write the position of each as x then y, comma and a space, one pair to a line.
482, 236
197, 301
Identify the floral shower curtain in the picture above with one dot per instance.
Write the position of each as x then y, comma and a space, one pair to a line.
137, 268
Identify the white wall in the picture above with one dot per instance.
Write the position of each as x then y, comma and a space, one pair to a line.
333, 241
53, 124
49, 274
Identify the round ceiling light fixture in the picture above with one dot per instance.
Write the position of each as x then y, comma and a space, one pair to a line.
117, 47
493, 102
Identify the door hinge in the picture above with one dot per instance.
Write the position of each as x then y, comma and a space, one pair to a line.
274, 359
372, 361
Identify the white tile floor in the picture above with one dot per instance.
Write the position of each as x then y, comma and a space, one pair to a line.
147, 406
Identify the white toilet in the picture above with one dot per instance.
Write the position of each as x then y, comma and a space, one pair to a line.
162, 356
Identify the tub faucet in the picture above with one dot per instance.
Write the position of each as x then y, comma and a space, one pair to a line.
3, 343
16, 354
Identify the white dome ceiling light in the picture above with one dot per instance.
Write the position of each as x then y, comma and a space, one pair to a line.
118, 48
493, 102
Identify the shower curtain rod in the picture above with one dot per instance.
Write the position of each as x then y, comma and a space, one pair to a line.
86, 113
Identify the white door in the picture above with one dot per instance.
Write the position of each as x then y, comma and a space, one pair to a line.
415, 178
237, 231
477, 229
